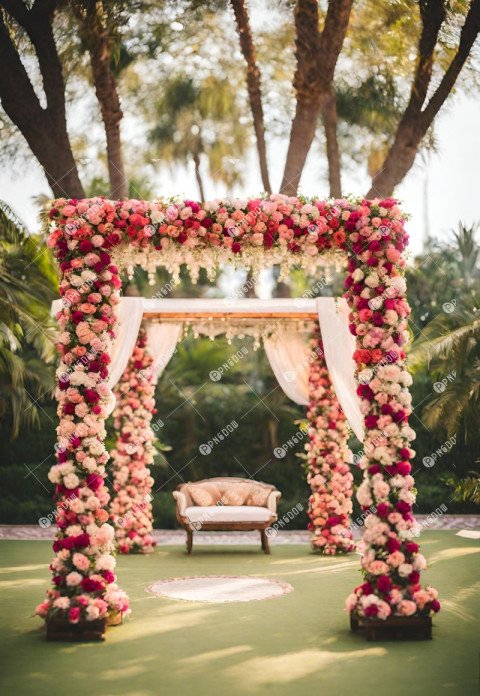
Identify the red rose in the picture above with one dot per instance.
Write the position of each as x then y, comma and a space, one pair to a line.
89, 585
388, 203
334, 223
404, 468
371, 422
414, 577
393, 545
85, 246
411, 547
383, 509
94, 481
384, 583
91, 396
74, 615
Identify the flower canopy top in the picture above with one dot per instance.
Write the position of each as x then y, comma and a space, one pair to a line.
91, 238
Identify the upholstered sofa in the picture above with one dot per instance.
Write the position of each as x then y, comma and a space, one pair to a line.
220, 504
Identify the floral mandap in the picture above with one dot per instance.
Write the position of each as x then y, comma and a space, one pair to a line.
93, 240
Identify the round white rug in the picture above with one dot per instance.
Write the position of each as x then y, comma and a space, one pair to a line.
219, 588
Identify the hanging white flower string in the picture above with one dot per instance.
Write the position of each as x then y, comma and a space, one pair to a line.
232, 328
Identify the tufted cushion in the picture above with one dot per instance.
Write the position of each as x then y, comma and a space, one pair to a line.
231, 513
204, 494
258, 496
235, 493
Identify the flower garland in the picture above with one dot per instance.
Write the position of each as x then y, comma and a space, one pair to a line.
375, 291
131, 509
83, 568
277, 229
329, 476
255, 233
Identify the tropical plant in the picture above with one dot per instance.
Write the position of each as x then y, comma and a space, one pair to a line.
27, 287
469, 252
201, 120
467, 488
450, 348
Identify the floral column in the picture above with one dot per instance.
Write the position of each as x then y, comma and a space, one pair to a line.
379, 310
328, 458
131, 508
83, 568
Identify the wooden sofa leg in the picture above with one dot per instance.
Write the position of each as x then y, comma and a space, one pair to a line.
189, 541
264, 537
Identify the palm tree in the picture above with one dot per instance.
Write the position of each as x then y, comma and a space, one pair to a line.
467, 488
469, 252
253, 85
450, 345
27, 288
201, 121
98, 24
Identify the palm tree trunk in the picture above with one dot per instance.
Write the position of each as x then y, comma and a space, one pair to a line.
302, 133
44, 129
249, 286
418, 116
330, 120
198, 176
253, 86
96, 38
280, 289
107, 95
317, 56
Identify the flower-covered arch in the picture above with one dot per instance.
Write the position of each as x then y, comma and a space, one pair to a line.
92, 238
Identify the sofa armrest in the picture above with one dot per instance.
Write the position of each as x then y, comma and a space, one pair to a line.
181, 499
272, 499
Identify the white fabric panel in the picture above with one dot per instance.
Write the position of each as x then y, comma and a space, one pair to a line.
130, 312
288, 355
56, 307
161, 341
339, 346
228, 513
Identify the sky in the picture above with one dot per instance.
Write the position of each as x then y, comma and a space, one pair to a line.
437, 193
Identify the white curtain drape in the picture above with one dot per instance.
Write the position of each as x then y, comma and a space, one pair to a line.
162, 340
288, 355
339, 346
130, 312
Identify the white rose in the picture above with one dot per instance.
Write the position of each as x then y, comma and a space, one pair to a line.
54, 475
358, 275
92, 613
372, 280
89, 464
92, 503
75, 280
77, 506
419, 562
71, 481
405, 570
105, 562
73, 579
88, 276
77, 378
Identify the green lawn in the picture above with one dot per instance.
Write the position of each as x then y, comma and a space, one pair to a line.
297, 644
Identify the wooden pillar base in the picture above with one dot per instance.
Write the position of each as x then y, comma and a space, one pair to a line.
61, 630
393, 628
